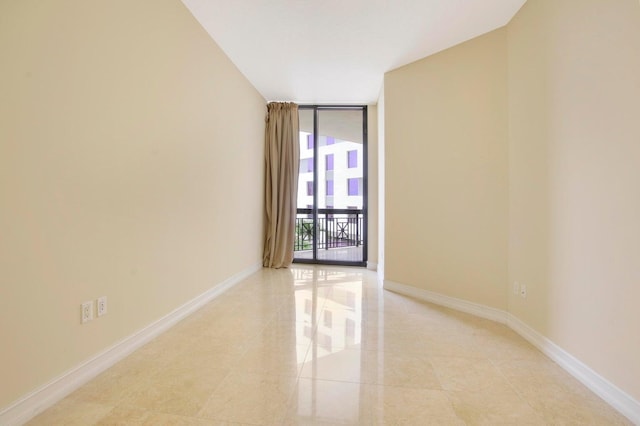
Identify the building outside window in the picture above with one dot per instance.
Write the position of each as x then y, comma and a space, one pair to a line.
340, 172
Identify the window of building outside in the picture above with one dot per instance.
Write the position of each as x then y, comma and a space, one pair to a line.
330, 140
329, 162
306, 165
329, 187
352, 186
310, 188
309, 141
352, 159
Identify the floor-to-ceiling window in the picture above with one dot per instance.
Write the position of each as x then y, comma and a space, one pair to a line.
331, 224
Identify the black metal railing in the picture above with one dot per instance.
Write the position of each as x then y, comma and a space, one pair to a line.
335, 228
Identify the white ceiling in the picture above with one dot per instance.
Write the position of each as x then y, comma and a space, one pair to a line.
337, 51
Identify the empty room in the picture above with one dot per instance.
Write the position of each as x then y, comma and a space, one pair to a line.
251, 212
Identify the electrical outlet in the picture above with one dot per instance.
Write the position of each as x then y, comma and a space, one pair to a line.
102, 305
523, 291
86, 312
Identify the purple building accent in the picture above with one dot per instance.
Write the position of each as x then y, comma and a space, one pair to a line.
310, 187
329, 162
330, 140
352, 185
309, 141
352, 159
329, 187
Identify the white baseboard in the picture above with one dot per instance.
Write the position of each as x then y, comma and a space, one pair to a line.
476, 309
613, 395
47, 395
372, 265
606, 390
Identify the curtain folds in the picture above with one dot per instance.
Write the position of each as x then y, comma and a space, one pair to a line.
282, 156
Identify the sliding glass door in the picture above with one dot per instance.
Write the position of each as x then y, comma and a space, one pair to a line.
331, 224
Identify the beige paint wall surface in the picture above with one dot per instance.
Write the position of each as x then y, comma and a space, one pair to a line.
381, 183
574, 105
131, 166
446, 172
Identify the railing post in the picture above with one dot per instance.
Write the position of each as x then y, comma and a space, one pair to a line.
326, 232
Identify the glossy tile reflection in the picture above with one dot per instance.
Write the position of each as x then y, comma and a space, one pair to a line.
325, 345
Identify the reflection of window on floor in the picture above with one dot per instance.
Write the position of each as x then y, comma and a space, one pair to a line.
351, 299
307, 307
325, 341
328, 316
350, 328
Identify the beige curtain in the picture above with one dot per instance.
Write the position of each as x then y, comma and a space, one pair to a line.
282, 154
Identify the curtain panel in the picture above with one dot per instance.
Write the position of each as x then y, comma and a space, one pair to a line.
282, 157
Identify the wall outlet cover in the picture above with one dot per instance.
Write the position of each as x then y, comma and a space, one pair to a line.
86, 310
102, 305
523, 291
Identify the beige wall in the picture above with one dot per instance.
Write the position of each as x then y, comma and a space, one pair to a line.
574, 105
381, 182
561, 84
129, 146
446, 172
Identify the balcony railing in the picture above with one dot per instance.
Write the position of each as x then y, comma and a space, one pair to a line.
335, 228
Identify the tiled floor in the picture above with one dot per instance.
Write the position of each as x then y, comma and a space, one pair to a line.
318, 345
